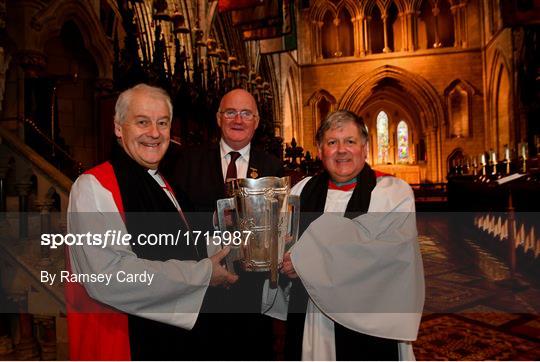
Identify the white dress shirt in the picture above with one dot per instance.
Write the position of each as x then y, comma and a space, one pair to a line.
242, 162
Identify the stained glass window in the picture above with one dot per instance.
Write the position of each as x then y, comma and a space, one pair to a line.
368, 142
382, 137
403, 142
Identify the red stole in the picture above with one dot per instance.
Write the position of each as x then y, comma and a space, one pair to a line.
96, 331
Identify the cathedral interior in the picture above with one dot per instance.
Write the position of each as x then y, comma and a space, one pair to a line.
449, 91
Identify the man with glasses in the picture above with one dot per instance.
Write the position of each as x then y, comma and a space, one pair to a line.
200, 173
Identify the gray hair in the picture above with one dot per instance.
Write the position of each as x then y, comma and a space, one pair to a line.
338, 119
124, 100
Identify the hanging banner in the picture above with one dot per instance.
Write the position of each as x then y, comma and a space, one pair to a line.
264, 15
277, 39
229, 5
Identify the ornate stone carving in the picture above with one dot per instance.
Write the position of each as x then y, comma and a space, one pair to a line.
33, 62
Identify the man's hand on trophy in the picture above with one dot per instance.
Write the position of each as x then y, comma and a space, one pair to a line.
287, 267
220, 275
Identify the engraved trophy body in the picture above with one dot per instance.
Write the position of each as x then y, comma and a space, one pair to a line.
265, 211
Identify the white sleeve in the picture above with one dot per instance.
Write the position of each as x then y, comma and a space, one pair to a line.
391, 194
177, 290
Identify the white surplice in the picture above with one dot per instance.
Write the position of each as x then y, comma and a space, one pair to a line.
178, 288
365, 274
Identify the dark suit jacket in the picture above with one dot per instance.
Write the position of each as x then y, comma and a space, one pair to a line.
197, 174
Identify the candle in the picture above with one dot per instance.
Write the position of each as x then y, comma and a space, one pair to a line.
483, 159
524, 150
507, 154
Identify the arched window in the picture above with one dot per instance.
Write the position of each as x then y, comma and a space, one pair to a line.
346, 34
376, 31
382, 137
368, 142
403, 142
329, 34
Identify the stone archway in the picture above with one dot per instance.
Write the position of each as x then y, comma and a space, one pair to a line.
500, 127
292, 122
421, 98
49, 23
397, 110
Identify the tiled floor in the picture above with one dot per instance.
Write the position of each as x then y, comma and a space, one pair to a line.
474, 309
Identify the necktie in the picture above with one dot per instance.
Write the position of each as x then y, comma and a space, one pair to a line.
231, 169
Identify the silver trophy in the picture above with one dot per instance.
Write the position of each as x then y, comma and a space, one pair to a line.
266, 216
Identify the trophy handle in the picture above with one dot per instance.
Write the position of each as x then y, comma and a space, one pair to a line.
294, 201
274, 246
222, 206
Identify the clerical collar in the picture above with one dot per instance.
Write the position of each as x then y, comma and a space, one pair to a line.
342, 186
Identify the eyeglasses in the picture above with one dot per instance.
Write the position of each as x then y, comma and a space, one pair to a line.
245, 115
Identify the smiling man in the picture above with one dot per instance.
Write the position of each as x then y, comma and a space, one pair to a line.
209, 165
133, 319
357, 285
200, 172
142, 125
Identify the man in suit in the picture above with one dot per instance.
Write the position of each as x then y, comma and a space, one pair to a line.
207, 165
200, 173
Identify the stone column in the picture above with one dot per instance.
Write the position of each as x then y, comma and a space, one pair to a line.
4, 59
437, 43
45, 206
318, 44
6, 342
432, 156
359, 36
463, 25
411, 29
367, 40
27, 347
47, 336
338, 52
316, 41
456, 14
4, 65
404, 25
384, 17
23, 190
